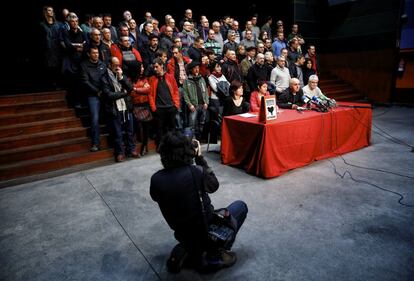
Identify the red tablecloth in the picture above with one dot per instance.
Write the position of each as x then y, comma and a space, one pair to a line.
294, 139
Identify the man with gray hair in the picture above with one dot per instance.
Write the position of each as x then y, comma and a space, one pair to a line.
312, 89
280, 75
230, 43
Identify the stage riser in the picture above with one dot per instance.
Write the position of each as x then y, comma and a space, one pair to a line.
40, 133
28, 107
37, 127
49, 149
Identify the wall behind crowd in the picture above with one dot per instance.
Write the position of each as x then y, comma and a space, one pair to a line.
24, 56
349, 37
359, 45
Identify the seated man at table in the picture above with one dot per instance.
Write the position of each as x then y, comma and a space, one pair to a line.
312, 89
291, 98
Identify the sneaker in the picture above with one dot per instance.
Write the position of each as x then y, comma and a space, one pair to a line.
94, 148
176, 260
134, 154
221, 259
120, 158
228, 258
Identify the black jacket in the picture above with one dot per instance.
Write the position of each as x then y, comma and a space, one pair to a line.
255, 73
110, 96
91, 76
176, 193
287, 99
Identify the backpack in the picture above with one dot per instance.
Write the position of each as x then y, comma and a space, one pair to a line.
222, 90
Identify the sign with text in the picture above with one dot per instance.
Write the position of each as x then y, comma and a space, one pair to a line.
268, 109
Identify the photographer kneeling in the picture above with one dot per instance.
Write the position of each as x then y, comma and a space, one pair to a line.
180, 189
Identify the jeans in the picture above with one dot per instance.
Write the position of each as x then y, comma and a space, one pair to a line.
94, 107
197, 119
123, 120
238, 209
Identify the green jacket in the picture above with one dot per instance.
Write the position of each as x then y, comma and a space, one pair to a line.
190, 91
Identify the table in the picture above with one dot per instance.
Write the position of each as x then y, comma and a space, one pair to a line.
294, 139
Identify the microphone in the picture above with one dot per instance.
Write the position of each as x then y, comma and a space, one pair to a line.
307, 101
319, 103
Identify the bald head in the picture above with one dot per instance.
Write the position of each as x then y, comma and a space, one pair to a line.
294, 84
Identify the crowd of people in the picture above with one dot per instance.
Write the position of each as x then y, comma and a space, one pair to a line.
175, 78
151, 78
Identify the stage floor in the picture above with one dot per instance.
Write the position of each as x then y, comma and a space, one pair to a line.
307, 224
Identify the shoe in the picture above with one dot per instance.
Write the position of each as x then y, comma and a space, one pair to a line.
134, 154
176, 260
94, 148
221, 259
120, 158
144, 150
228, 258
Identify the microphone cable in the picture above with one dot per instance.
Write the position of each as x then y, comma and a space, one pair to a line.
123, 228
342, 176
382, 113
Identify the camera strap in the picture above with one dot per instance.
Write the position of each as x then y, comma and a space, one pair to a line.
198, 189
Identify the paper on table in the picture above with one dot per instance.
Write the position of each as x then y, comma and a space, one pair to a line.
247, 115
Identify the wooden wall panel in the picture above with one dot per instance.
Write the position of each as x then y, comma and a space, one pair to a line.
370, 72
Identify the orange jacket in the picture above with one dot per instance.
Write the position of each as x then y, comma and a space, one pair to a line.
172, 85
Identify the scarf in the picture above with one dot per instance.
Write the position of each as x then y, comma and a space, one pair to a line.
120, 103
216, 74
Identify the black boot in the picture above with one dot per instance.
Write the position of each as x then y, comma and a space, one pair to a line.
176, 260
144, 150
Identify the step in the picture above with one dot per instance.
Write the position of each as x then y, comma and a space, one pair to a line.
339, 91
351, 97
39, 126
327, 76
48, 149
32, 97
331, 80
336, 87
32, 106
35, 116
42, 137
51, 163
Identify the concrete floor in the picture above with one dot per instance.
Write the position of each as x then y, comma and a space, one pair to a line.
308, 224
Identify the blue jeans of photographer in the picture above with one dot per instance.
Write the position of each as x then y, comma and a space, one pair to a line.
238, 210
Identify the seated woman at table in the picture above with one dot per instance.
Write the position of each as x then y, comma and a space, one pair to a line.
256, 96
235, 103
